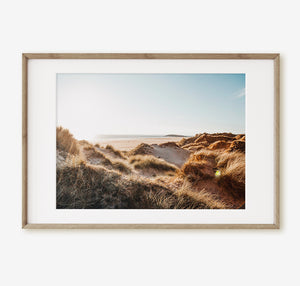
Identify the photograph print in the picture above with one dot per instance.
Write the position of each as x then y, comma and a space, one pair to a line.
150, 141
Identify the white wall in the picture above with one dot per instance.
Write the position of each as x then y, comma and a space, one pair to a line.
221, 257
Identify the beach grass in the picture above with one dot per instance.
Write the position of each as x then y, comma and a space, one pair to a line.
211, 177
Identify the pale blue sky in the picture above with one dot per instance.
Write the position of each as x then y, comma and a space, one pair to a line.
92, 104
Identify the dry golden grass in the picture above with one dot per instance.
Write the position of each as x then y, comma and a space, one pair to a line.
197, 171
186, 191
237, 145
221, 171
96, 157
141, 149
225, 159
94, 187
143, 162
219, 145
80, 186
211, 138
212, 141
194, 148
115, 152
90, 177
169, 144
232, 173
65, 141
204, 154
185, 141
195, 145
93, 156
88, 186
238, 137
199, 166
121, 166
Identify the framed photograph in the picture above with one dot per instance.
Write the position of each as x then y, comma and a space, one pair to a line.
150, 141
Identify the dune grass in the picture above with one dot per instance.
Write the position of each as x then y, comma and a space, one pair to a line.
225, 170
141, 149
196, 171
189, 196
66, 142
121, 166
96, 157
204, 154
232, 172
95, 187
115, 152
200, 166
219, 145
237, 145
90, 177
144, 162
225, 159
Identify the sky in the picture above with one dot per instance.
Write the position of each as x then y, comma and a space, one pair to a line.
150, 104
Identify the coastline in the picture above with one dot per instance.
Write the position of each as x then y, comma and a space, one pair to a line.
129, 144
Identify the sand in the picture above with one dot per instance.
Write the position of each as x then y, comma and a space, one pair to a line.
129, 144
173, 155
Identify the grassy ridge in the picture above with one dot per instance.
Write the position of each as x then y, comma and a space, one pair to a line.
94, 187
143, 162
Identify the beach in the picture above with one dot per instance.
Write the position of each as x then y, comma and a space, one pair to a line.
129, 144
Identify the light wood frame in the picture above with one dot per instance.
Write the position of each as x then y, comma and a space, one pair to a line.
265, 56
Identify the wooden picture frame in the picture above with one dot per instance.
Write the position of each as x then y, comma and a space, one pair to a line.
27, 57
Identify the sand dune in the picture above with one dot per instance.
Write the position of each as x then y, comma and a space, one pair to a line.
171, 154
203, 171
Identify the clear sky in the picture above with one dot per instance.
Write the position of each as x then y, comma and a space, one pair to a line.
94, 104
